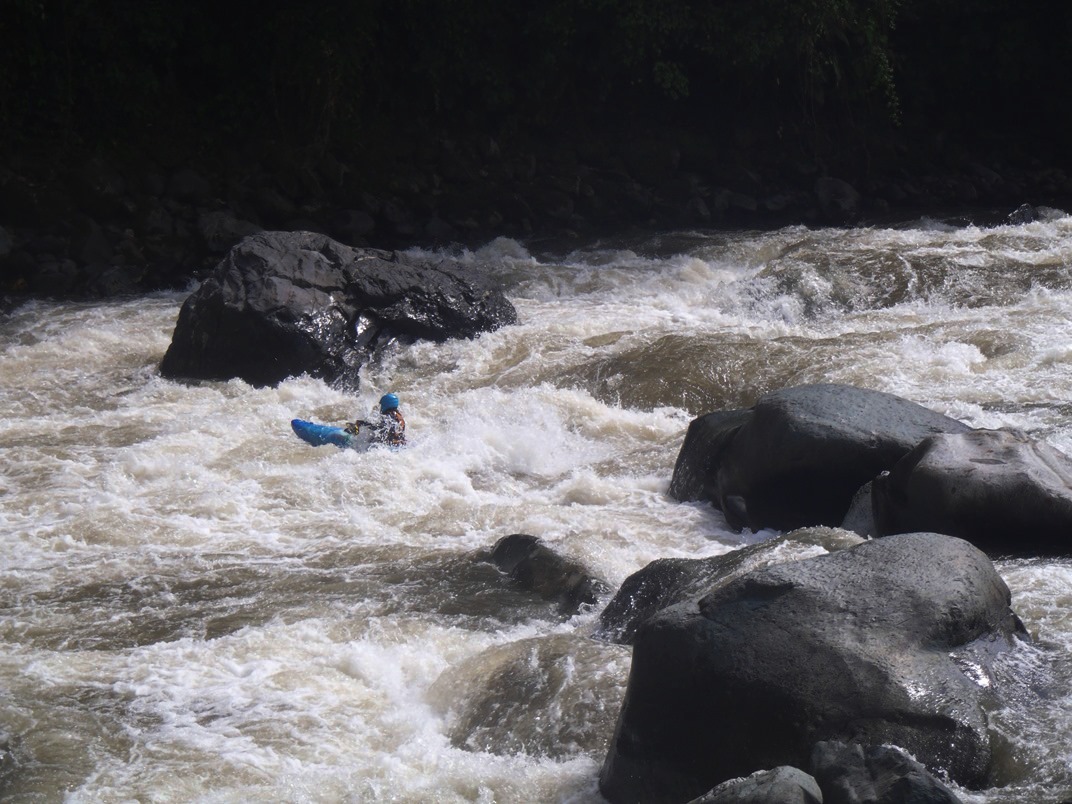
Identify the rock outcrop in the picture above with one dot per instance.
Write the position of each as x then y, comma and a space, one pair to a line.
799, 455
552, 696
1001, 490
282, 304
668, 581
784, 785
841, 773
886, 642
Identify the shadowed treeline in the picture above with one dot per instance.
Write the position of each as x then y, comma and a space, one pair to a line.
139, 141
336, 74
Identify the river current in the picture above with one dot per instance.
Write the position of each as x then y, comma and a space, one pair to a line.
196, 606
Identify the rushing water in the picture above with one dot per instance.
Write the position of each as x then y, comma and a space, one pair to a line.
196, 606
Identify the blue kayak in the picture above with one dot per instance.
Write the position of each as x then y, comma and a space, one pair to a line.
320, 434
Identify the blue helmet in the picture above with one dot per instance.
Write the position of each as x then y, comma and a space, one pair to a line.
388, 402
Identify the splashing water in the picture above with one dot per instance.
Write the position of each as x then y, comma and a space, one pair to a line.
194, 605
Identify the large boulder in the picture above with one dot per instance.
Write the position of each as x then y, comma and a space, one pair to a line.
1001, 490
282, 304
668, 581
890, 641
797, 457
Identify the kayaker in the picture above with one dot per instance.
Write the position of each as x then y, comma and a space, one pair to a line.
390, 428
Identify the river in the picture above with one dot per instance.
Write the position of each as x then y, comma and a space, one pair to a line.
196, 606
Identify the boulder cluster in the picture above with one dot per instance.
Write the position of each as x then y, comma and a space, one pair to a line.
864, 674
878, 465
744, 675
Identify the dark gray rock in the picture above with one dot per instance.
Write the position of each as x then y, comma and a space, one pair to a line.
741, 202
156, 221
439, 231
55, 277
1001, 490
860, 518
697, 211
797, 457
400, 218
100, 188
281, 304
272, 206
850, 774
781, 785
668, 581
350, 225
706, 442
19, 272
1025, 213
536, 567
110, 280
886, 642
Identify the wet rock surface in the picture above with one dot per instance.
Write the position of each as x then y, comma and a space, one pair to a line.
885, 642
534, 566
799, 455
668, 581
853, 774
283, 304
784, 784
1001, 490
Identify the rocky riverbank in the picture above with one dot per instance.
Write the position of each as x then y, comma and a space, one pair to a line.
101, 224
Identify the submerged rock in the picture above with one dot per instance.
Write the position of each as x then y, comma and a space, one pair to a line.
837, 199
553, 696
537, 568
798, 456
281, 304
1001, 490
886, 642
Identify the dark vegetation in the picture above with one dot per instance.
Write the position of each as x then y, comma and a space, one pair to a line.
444, 108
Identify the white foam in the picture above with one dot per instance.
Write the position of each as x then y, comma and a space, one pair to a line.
131, 503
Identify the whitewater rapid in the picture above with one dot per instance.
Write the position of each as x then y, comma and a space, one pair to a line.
196, 606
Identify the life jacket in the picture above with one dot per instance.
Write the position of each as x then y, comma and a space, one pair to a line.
392, 428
